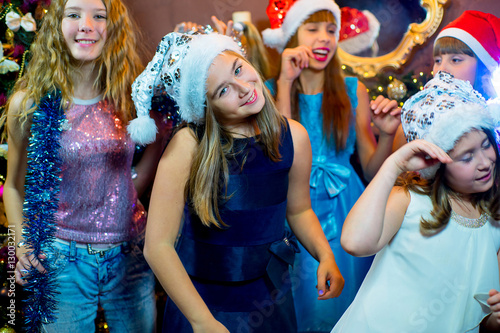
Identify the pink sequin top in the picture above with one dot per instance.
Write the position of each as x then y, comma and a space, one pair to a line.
98, 202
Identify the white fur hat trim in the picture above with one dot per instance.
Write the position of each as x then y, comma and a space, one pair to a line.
364, 40
194, 73
298, 13
443, 112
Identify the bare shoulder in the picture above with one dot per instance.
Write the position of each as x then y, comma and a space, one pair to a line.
16, 102
182, 145
17, 127
361, 87
362, 94
299, 133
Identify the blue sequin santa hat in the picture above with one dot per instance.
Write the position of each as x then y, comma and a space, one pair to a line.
445, 110
179, 68
286, 16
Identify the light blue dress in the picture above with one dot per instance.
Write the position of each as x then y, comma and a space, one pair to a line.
334, 187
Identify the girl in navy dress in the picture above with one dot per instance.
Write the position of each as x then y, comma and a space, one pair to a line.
228, 179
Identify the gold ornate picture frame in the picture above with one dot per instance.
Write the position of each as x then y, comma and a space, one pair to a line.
417, 34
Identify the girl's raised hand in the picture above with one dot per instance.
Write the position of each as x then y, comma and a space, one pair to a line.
223, 28
385, 105
418, 154
185, 27
386, 115
293, 61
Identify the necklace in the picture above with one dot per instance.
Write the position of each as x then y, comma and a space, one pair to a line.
470, 223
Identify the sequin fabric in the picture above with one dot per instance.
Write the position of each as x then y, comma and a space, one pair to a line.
470, 223
440, 96
98, 202
179, 68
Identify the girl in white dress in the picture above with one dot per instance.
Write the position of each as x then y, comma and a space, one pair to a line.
436, 233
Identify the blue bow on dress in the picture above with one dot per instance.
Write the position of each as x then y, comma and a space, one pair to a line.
283, 256
335, 177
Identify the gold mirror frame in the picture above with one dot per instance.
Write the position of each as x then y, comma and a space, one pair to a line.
417, 34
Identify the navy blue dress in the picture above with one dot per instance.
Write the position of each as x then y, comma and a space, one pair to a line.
242, 271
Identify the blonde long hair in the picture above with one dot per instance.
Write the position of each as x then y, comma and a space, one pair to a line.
207, 183
257, 53
440, 194
336, 105
51, 61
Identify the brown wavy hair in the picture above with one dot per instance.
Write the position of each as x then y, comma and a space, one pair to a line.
51, 61
336, 106
207, 183
440, 193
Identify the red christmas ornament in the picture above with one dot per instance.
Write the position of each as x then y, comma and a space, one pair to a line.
353, 23
276, 11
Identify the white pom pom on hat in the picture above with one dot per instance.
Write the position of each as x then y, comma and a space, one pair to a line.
179, 68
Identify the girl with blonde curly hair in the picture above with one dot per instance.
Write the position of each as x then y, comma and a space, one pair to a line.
79, 76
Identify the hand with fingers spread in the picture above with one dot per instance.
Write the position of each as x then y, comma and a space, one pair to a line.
24, 265
223, 28
186, 26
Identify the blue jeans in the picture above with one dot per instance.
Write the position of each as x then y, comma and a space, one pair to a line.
119, 280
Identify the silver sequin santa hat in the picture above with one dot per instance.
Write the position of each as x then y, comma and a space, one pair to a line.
445, 110
180, 69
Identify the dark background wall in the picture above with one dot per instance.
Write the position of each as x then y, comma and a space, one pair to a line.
158, 17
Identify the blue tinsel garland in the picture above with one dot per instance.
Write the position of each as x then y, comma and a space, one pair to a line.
40, 204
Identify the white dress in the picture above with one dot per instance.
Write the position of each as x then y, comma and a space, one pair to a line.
427, 284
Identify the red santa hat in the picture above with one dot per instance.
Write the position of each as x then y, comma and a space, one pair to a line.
358, 30
479, 31
286, 16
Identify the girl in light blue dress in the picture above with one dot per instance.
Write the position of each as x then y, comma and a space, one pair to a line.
337, 115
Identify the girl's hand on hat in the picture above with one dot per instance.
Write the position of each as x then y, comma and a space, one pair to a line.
417, 155
25, 263
293, 61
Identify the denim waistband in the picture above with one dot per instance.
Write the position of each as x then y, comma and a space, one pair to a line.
100, 249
